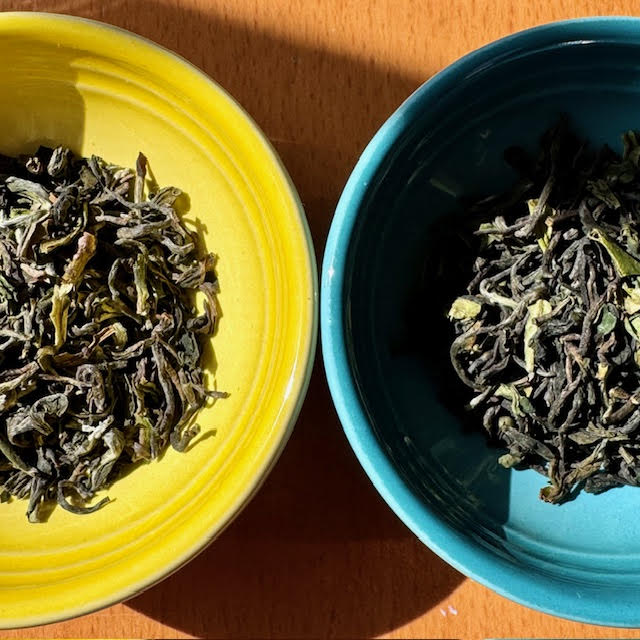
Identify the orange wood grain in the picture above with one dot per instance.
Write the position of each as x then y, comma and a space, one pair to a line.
317, 553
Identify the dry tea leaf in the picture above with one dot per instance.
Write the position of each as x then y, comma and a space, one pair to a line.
555, 363
464, 308
100, 338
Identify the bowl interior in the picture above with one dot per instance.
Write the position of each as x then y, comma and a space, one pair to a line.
578, 560
103, 91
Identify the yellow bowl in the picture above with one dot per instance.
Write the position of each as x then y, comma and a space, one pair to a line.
102, 90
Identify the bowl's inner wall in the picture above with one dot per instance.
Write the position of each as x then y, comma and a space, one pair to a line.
397, 340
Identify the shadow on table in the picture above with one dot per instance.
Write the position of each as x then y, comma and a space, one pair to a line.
317, 553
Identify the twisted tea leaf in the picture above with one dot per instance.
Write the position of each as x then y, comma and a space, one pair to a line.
100, 339
548, 330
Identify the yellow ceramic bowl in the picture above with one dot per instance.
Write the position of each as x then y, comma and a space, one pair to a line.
101, 90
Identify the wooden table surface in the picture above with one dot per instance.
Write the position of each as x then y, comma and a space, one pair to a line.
317, 553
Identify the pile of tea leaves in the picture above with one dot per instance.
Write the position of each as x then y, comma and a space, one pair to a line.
100, 338
548, 332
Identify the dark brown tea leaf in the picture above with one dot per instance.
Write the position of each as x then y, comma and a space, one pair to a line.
548, 330
100, 337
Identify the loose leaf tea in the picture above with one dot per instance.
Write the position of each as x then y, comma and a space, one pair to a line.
548, 330
100, 338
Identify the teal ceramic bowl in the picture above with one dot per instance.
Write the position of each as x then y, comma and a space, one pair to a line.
384, 356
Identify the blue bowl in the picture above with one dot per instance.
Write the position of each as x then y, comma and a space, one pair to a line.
384, 355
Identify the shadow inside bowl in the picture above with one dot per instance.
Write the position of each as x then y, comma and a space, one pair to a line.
37, 110
403, 279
